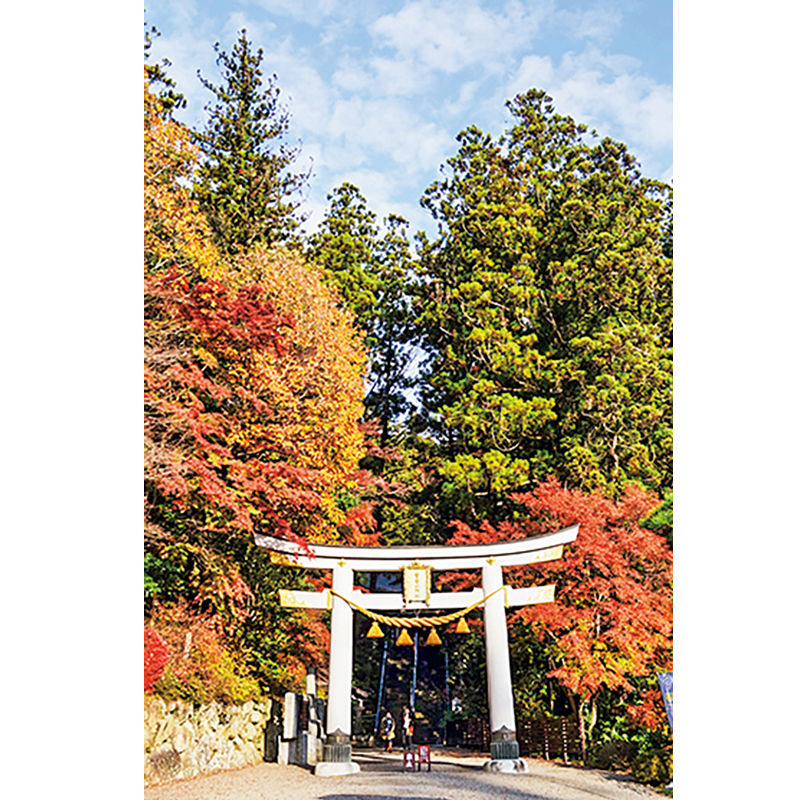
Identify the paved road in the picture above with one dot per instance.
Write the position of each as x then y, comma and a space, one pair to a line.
382, 778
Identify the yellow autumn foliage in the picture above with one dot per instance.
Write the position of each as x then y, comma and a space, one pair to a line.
315, 387
175, 231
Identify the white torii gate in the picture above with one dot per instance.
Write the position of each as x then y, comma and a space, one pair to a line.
496, 597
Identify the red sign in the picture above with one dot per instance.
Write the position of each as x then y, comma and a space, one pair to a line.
408, 759
424, 756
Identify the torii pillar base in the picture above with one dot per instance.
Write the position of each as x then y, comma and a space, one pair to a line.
506, 765
337, 756
505, 753
335, 769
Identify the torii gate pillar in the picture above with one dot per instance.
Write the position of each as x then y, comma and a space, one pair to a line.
495, 597
502, 723
337, 752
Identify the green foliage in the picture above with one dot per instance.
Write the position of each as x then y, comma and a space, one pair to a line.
546, 310
205, 662
226, 680
653, 767
280, 643
468, 671
190, 689
244, 183
219, 678
405, 505
371, 273
661, 519
163, 578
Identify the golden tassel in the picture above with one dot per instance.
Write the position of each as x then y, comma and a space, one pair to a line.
433, 638
462, 626
375, 631
404, 638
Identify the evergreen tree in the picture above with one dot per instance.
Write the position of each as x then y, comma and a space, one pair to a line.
547, 315
244, 183
372, 274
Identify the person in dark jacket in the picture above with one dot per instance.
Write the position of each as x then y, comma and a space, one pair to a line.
387, 730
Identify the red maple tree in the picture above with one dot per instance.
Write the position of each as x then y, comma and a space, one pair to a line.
612, 616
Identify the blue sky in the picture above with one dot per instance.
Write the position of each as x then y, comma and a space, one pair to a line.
379, 90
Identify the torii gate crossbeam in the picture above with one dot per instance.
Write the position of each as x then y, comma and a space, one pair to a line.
489, 558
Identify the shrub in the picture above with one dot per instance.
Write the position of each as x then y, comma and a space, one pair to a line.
156, 655
202, 664
614, 754
225, 679
653, 767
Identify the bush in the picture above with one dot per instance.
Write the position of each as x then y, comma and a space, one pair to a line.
156, 655
614, 754
224, 678
189, 689
653, 767
197, 661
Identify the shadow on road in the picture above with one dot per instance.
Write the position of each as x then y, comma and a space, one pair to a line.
378, 797
384, 762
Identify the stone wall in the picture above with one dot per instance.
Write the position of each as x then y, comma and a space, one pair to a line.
182, 740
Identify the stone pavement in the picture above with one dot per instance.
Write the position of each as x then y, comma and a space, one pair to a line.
452, 777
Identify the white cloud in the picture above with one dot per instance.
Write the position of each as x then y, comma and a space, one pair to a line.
399, 77
312, 12
533, 71
448, 36
368, 128
598, 23
351, 76
465, 97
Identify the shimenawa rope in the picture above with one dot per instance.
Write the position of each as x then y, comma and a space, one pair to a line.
416, 622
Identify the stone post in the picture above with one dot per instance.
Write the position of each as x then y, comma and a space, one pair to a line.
505, 748
337, 753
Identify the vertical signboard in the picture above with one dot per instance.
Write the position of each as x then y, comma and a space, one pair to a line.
665, 682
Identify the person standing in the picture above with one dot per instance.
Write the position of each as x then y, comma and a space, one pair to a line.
387, 730
408, 726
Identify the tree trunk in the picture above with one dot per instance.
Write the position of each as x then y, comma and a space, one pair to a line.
582, 728
592, 715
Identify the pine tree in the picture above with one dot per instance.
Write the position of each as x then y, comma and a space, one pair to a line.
244, 183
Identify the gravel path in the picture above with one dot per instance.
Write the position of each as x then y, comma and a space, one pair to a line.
452, 777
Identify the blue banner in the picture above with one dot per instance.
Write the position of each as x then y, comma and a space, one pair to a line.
665, 682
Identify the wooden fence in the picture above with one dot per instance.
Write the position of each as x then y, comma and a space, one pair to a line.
550, 738
555, 737
471, 733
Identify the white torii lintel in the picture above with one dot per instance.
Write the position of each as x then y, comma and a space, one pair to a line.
394, 601
518, 552
489, 558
